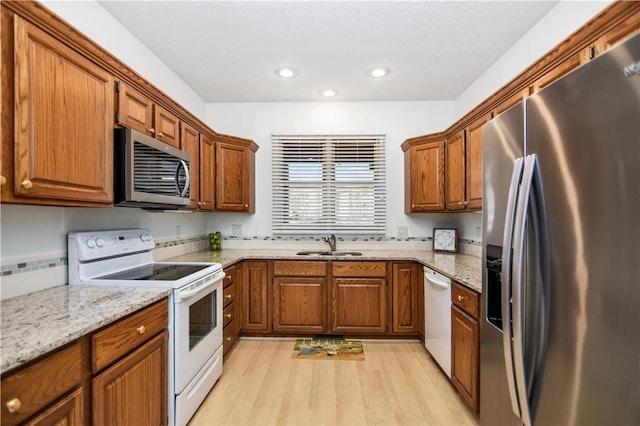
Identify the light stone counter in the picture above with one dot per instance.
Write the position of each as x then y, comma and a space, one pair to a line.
36, 323
462, 268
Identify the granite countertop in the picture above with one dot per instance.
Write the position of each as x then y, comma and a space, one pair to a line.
461, 268
36, 323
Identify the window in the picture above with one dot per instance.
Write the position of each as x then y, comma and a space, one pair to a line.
328, 183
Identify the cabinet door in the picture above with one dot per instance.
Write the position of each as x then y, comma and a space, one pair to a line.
167, 126
455, 167
255, 297
359, 305
426, 177
464, 356
421, 324
207, 173
133, 391
69, 411
232, 177
560, 70
474, 164
300, 304
190, 142
135, 110
404, 294
63, 127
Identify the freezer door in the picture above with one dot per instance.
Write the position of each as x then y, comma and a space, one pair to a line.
585, 131
503, 144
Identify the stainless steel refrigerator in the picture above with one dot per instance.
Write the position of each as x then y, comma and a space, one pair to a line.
560, 326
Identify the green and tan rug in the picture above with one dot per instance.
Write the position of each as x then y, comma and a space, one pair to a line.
328, 349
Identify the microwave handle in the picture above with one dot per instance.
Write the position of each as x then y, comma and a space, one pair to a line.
183, 192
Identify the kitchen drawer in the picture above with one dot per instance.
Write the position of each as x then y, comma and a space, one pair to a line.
229, 314
465, 299
39, 385
230, 276
229, 337
229, 294
300, 267
359, 269
120, 338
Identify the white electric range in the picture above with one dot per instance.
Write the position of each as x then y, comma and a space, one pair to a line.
124, 258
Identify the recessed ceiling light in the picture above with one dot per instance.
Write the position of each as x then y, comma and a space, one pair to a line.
287, 72
328, 93
378, 72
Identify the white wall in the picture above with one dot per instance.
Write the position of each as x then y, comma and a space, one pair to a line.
95, 22
565, 18
397, 120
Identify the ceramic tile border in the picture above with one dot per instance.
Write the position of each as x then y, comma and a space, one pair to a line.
53, 262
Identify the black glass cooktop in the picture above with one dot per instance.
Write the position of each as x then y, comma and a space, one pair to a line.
156, 272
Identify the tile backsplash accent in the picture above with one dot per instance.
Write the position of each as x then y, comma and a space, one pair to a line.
33, 265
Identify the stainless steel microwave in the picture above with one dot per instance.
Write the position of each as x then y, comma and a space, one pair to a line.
149, 173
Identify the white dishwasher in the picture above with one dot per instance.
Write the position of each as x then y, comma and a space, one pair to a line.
437, 318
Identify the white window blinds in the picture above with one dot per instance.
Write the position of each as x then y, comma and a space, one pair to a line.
328, 183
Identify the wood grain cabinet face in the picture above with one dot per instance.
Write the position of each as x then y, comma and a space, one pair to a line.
404, 292
465, 344
190, 143
424, 177
207, 173
255, 297
474, 164
63, 129
231, 314
233, 177
133, 391
137, 111
455, 171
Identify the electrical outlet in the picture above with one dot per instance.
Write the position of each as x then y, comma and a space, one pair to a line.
236, 229
403, 231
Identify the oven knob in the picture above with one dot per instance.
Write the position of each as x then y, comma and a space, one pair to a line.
91, 243
100, 242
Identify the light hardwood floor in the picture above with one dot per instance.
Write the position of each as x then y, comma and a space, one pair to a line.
396, 384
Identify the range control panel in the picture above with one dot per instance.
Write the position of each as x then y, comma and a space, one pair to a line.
95, 245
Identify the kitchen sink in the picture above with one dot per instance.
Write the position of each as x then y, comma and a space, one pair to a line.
329, 253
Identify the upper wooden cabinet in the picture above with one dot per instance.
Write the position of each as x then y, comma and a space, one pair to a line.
473, 158
190, 143
57, 135
207, 174
235, 174
138, 112
455, 172
424, 176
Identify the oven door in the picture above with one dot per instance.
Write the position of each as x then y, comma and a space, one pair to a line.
198, 326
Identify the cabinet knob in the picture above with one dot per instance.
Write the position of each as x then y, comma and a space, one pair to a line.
466, 202
227, 316
228, 339
460, 298
228, 296
413, 206
246, 206
151, 130
228, 276
3, 180
13, 405
27, 184
459, 202
161, 134
141, 329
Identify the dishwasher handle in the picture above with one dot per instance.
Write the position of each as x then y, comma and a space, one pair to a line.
436, 282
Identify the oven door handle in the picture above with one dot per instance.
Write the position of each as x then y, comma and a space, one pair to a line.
207, 282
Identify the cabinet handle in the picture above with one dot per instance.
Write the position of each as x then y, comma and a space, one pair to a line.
227, 316
27, 184
228, 276
246, 206
228, 296
460, 298
151, 130
14, 404
228, 339
413, 206
3, 180
141, 329
466, 202
161, 134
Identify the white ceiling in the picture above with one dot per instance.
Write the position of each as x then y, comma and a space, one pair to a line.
228, 51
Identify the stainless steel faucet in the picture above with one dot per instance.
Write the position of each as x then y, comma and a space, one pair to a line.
331, 240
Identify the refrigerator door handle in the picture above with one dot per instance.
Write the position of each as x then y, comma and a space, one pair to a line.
507, 329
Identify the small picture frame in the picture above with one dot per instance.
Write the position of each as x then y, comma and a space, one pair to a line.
445, 240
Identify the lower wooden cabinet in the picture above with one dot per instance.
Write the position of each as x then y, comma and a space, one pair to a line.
230, 315
404, 292
465, 344
255, 297
68, 411
133, 391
